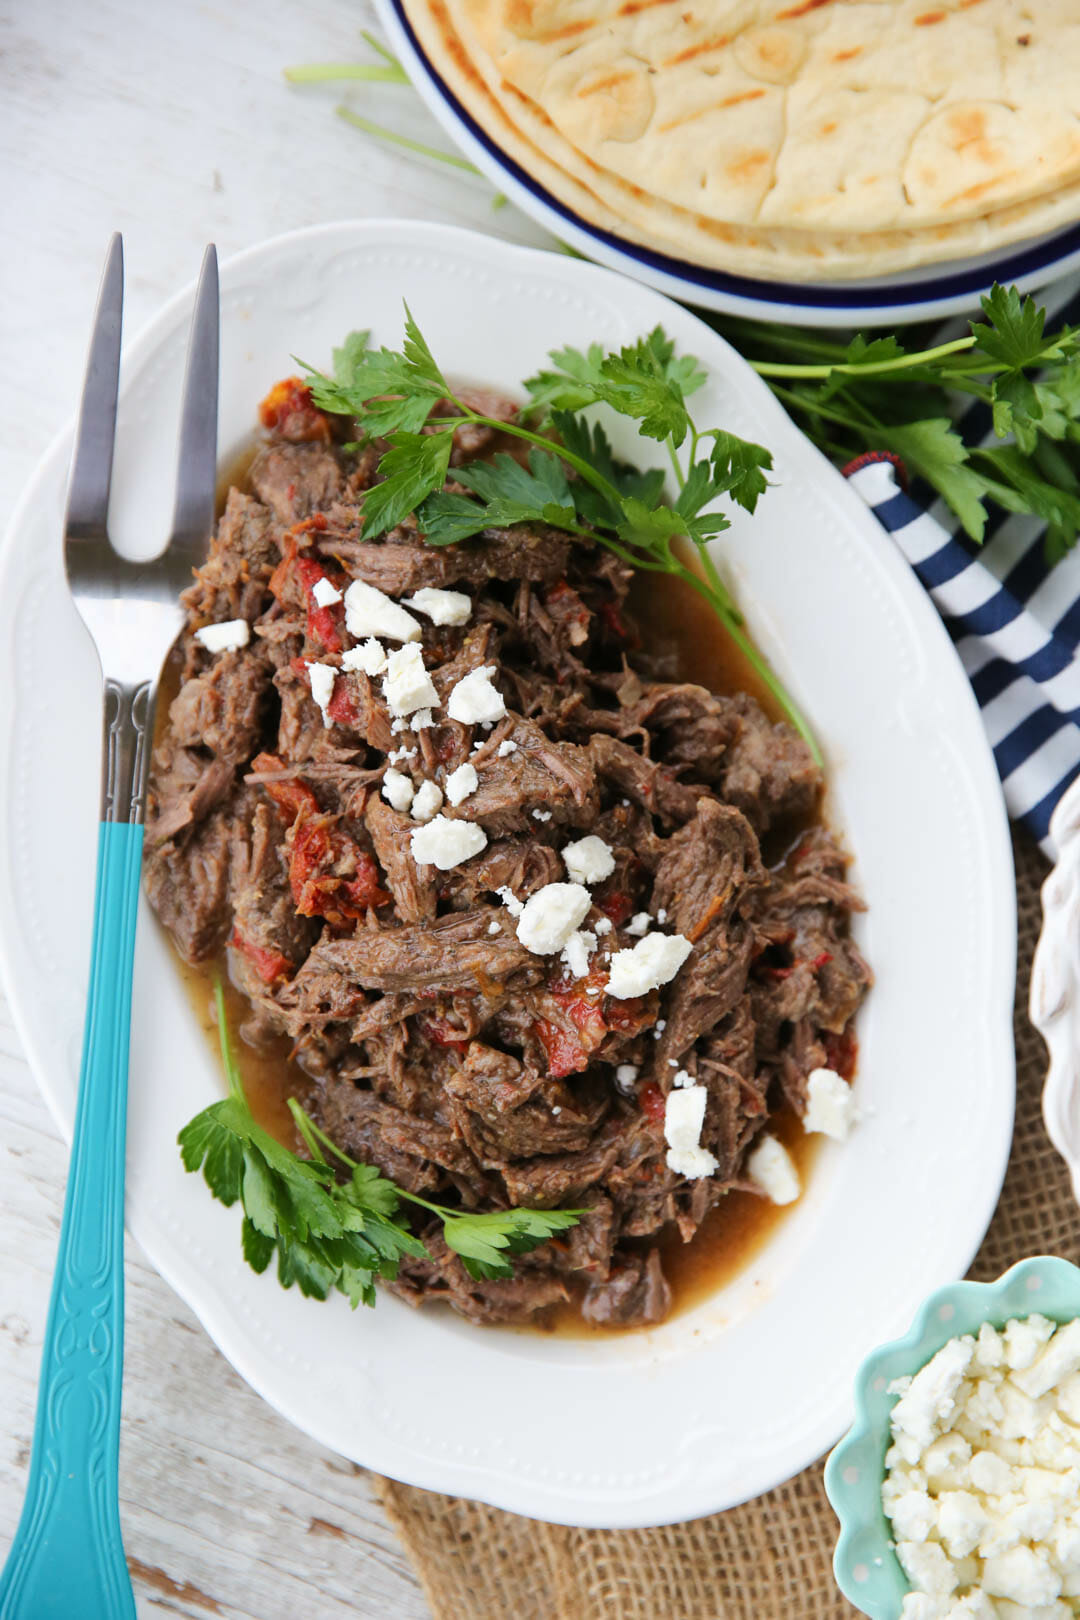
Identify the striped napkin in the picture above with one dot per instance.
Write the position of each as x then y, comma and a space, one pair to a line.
1014, 621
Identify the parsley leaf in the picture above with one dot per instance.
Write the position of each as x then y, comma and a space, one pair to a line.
328, 1233
483, 1241
415, 464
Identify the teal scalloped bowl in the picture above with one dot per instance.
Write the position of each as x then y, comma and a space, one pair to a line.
867, 1570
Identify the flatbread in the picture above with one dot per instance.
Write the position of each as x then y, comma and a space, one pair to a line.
785, 138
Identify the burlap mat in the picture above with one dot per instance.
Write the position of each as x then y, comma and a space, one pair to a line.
769, 1559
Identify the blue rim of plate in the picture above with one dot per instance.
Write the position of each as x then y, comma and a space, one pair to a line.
1024, 263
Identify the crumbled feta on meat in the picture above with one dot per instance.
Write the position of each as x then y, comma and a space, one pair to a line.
229, 636
462, 782
445, 843
407, 686
551, 915
653, 961
397, 789
474, 699
322, 678
324, 593
369, 657
426, 801
588, 860
370, 612
441, 607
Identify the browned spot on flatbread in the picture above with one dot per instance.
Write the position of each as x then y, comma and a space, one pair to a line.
605, 84
847, 56
703, 49
568, 31
1023, 39
966, 125
742, 167
829, 128
802, 10
632, 7
158, 1581
323, 1527
714, 106
928, 18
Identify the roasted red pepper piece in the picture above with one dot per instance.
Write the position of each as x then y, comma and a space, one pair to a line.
617, 905
292, 797
570, 1042
318, 891
268, 964
842, 1052
651, 1102
444, 1033
288, 409
323, 623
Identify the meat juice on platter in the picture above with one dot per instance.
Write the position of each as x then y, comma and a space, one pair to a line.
385, 881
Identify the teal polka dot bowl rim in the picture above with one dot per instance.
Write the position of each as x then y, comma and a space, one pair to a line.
866, 1568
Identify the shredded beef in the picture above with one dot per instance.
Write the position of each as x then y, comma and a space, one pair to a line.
436, 1046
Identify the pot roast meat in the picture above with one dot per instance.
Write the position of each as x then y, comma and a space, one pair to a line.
435, 1045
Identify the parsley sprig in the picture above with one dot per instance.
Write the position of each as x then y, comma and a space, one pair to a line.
328, 1233
570, 478
877, 395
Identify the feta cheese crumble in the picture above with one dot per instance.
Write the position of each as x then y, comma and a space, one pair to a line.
640, 923
370, 612
441, 607
577, 950
603, 925
322, 678
427, 801
510, 900
445, 843
462, 782
830, 1104
324, 593
684, 1115
653, 961
407, 685
770, 1168
541, 815
369, 657
226, 637
397, 789
507, 747
551, 915
625, 1076
474, 699
982, 1486
588, 860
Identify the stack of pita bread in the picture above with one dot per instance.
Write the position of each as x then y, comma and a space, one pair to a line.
805, 140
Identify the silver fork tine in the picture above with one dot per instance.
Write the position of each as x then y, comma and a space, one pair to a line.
91, 469
196, 473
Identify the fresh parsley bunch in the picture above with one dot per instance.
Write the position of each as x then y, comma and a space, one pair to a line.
570, 479
328, 1233
877, 395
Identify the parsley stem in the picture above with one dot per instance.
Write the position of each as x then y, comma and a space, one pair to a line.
580, 466
383, 134
873, 368
308, 1130
228, 1060
331, 72
680, 477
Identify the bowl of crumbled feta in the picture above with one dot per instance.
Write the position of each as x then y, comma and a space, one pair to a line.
958, 1485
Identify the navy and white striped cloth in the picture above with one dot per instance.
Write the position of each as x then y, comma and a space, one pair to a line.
1014, 620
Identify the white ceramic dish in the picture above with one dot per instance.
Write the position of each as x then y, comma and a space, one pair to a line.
930, 292
712, 1407
1055, 984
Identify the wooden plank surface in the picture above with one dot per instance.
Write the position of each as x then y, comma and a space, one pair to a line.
171, 122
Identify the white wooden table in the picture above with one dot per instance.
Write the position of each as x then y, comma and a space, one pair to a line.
172, 123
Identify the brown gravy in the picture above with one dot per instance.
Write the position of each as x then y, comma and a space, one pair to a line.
675, 622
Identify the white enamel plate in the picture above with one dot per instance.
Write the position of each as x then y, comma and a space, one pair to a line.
735, 1396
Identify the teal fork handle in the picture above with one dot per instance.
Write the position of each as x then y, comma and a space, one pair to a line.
67, 1559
